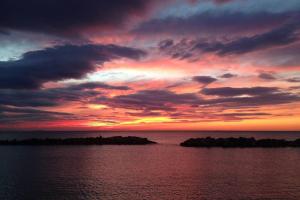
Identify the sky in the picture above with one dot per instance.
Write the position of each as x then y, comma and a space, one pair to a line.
150, 65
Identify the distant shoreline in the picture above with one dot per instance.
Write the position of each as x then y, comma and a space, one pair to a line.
126, 131
116, 140
240, 142
208, 142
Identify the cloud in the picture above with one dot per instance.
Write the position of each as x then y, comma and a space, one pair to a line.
255, 101
294, 87
51, 97
242, 115
17, 104
277, 37
8, 109
68, 17
191, 49
214, 1
44, 97
165, 44
59, 63
285, 56
228, 75
246, 114
222, 1
293, 80
229, 97
214, 23
97, 85
229, 91
151, 100
204, 79
15, 115
266, 76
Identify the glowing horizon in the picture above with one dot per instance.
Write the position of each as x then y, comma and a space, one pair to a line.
177, 65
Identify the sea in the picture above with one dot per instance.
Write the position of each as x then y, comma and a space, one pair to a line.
163, 171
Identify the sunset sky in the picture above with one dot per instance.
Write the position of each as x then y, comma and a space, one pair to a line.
150, 65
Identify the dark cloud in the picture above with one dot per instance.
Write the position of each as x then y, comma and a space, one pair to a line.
240, 116
266, 76
97, 85
294, 80
191, 49
59, 63
165, 44
44, 97
151, 100
277, 37
248, 97
286, 56
204, 79
229, 91
147, 100
214, 1
176, 84
3, 32
254, 101
24, 98
8, 109
15, 115
246, 114
147, 113
294, 87
214, 23
33, 117
228, 75
67, 17
222, 1
80, 93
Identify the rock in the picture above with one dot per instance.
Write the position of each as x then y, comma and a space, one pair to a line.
116, 140
239, 142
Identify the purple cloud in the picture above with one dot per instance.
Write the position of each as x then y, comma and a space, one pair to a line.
59, 63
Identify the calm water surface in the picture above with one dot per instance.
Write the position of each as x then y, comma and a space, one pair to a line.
162, 171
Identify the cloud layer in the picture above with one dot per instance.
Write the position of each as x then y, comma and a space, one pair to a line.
129, 64
59, 63
67, 18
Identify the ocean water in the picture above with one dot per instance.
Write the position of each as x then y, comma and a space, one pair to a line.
165, 171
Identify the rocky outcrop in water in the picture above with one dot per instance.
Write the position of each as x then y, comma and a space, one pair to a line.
239, 142
116, 140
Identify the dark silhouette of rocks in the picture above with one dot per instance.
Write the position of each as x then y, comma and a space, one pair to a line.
239, 142
116, 140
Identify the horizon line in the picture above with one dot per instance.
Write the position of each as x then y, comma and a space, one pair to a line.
34, 130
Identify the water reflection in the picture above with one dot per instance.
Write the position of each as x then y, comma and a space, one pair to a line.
148, 172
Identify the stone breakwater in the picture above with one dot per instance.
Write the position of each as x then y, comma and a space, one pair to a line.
239, 142
116, 140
